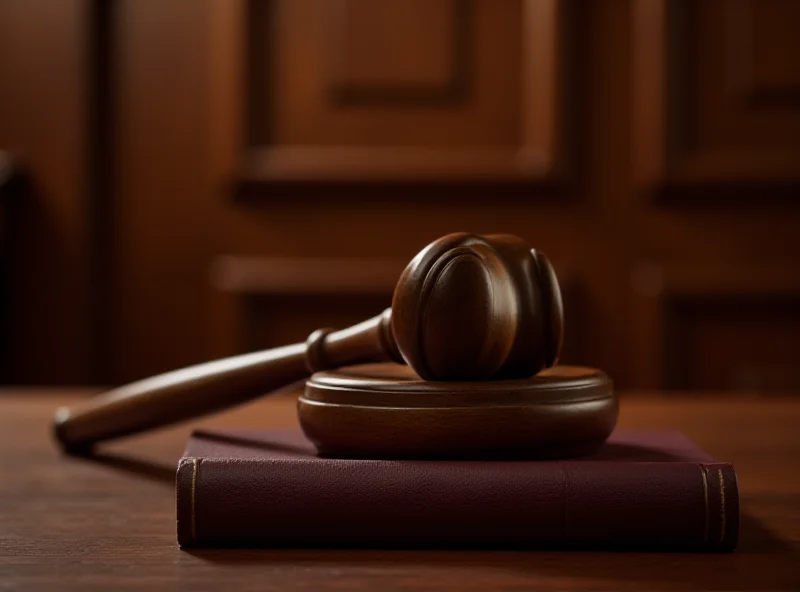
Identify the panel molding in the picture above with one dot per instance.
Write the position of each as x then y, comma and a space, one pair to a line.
249, 275
451, 90
540, 156
659, 158
680, 313
740, 68
661, 291
367, 163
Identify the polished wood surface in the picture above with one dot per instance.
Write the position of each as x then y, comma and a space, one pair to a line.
386, 411
472, 307
109, 523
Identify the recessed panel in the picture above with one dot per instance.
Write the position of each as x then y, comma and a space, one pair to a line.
739, 343
774, 28
399, 89
306, 113
717, 93
398, 51
739, 74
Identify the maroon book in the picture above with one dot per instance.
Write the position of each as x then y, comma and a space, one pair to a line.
642, 490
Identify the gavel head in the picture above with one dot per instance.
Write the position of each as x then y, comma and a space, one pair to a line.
472, 307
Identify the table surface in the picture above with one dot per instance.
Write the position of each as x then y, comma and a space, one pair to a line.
108, 523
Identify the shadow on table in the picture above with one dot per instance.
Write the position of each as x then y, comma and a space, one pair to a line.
139, 467
762, 561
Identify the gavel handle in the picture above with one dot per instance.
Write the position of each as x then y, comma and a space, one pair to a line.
199, 390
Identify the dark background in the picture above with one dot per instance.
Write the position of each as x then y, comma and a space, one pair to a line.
207, 177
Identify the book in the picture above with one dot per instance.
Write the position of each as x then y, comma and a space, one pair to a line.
640, 491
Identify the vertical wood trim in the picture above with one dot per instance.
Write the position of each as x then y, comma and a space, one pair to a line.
649, 91
540, 102
646, 325
227, 81
46, 58
227, 121
14, 185
100, 172
737, 21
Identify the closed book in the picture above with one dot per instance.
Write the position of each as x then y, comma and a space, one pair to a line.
641, 490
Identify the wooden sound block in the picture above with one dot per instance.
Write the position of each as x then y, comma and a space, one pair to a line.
387, 411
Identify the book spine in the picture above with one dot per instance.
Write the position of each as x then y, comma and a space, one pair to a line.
554, 505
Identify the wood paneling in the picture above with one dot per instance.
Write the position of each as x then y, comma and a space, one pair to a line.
44, 120
399, 52
164, 228
273, 320
179, 139
448, 90
764, 59
714, 117
722, 327
306, 275
733, 342
715, 94
541, 118
13, 186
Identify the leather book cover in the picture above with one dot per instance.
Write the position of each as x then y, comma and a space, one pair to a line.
642, 490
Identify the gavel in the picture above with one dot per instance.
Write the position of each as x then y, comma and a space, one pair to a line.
467, 311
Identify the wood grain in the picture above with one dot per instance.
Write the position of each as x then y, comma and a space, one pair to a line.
44, 78
730, 328
109, 523
594, 101
716, 94
447, 91
598, 226
386, 411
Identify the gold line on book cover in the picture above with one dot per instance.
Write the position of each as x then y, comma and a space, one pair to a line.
704, 474
565, 477
194, 495
722, 506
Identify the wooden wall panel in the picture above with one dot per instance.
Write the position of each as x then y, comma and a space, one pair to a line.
176, 215
13, 188
716, 99
45, 123
733, 342
451, 90
541, 118
163, 226
715, 122
725, 327
397, 52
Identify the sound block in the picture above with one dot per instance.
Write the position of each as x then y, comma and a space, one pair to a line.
387, 411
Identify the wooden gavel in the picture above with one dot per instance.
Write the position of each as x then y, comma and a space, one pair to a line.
467, 308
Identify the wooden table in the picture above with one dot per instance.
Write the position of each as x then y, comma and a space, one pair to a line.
109, 523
